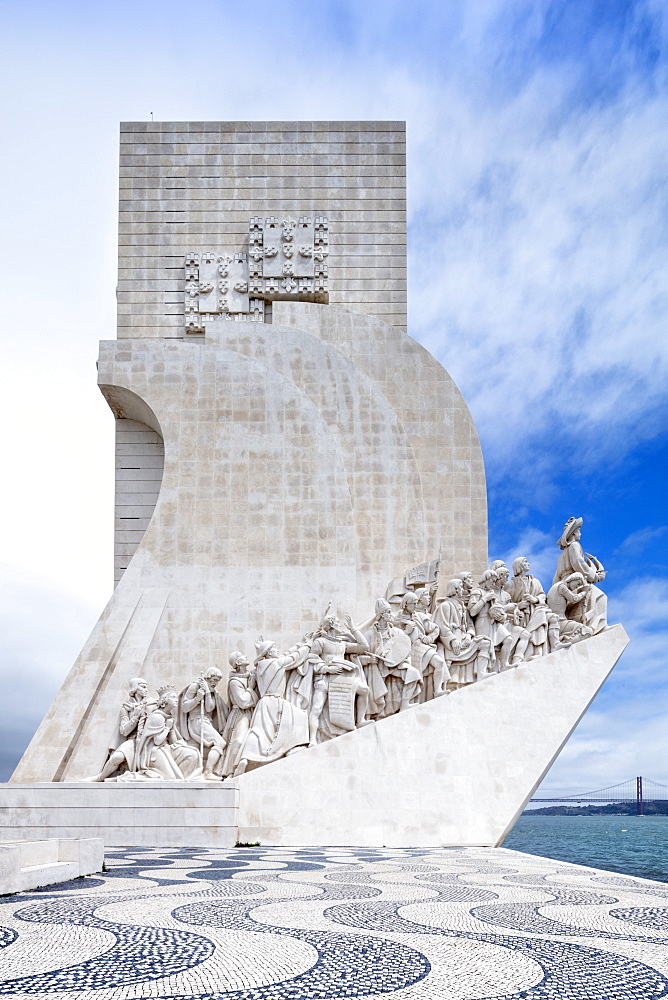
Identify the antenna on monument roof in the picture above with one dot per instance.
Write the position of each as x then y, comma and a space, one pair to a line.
151, 116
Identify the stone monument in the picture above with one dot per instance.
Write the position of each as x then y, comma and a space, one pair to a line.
304, 633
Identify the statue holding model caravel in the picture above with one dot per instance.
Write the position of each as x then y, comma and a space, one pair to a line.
340, 676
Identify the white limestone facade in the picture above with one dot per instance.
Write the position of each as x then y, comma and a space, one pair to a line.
284, 448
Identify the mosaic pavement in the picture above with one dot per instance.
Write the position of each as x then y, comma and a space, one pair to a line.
315, 924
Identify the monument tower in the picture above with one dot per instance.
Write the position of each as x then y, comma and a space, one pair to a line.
288, 458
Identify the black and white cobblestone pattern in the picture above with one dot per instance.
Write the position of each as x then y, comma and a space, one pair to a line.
421, 924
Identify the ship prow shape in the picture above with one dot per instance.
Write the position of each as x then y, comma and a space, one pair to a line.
457, 770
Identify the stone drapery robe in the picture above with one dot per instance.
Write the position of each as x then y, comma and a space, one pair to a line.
242, 699
277, 725
455, 626
203, 723
479, 606
160, 753
423, 633
536, 613
131, 720
327, 651
387, 684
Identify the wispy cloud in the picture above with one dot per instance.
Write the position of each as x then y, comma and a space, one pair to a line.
624, 734
542, 270
637, 541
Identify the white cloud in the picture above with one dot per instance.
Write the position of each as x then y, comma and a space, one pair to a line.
42, 628
624, 734
637, 541
542, 266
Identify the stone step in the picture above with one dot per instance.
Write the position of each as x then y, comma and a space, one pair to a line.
34, 876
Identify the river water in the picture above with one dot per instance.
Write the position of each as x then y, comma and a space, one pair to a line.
633, 845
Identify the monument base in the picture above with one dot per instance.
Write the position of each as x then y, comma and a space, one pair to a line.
456, 771
145, 814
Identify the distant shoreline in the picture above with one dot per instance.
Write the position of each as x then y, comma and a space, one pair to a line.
609, 809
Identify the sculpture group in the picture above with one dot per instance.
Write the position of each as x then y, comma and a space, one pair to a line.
341, 676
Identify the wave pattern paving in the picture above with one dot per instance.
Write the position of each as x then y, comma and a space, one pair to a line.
327, 923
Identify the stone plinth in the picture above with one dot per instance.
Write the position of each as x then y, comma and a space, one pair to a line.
165, 814
28, 864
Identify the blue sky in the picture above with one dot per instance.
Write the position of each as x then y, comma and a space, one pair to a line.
537, 144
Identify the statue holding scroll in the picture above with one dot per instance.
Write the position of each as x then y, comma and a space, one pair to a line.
340, 690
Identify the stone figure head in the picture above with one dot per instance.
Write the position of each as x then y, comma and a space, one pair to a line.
466, 578
138, 687
167, 697
409, 602
571, 532
329, 622
213, 676
238, 660
383, 610
575, 581
500, 571
455, 587
423, 598
520, 565
264, 647
488, 578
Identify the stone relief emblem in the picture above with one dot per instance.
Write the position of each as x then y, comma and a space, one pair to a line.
343, 676
286, 259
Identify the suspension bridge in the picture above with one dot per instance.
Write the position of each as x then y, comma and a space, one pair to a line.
638, 790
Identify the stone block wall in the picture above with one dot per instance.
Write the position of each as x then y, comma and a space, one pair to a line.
194, 185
